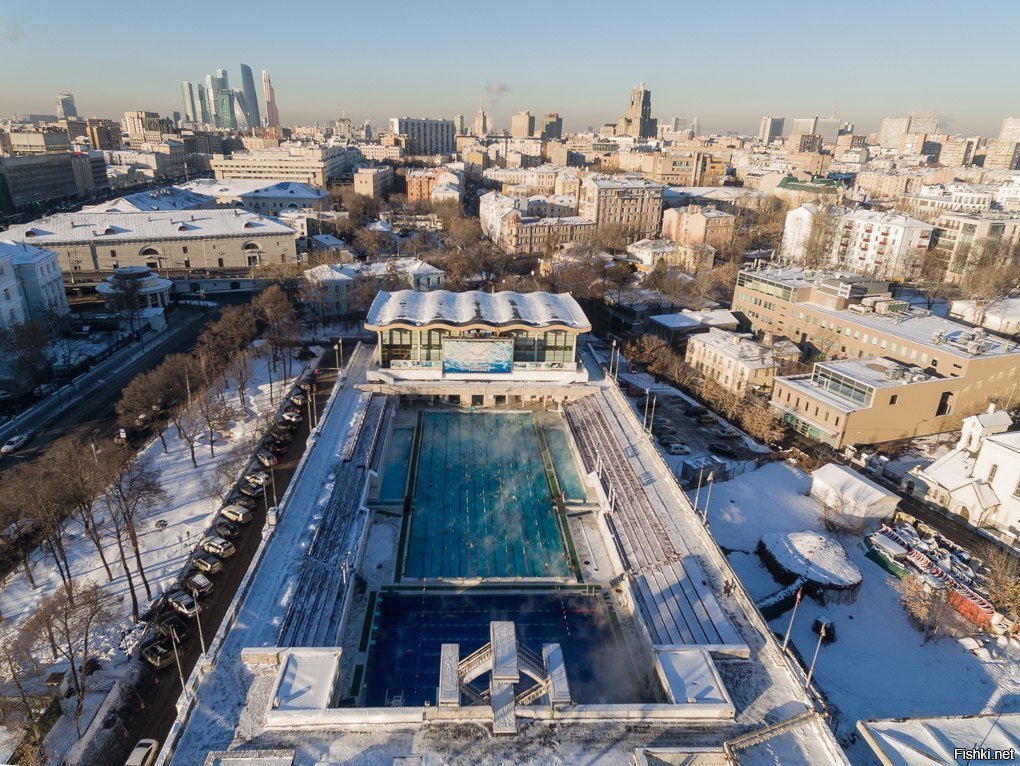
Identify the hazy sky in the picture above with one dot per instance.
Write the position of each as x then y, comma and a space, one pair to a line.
728, 62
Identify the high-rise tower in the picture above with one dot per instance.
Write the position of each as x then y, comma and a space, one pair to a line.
272, 113
251, 99
65, 106
638, 122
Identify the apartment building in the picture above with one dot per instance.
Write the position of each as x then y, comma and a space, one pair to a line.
425, 136
314, 165
31, 286
882, 245
103, 241
1002, 155
373, 182
737, 362
697, 225
532, 225
633, 203
892, 372
931, 201
958, 232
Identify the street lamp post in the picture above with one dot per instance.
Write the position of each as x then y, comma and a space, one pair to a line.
198, 619
338, 348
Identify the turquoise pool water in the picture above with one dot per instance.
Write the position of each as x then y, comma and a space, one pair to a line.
394, 479
563, 462
481, 506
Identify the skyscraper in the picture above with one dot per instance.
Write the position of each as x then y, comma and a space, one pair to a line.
203, 104
191, 110
251, 99
638, 122
550, 126
216, 84
225, 105
771, 129
65, 106
522, 124
481, 125
272, 113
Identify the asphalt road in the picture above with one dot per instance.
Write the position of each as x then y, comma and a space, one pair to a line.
96, 414
150, 708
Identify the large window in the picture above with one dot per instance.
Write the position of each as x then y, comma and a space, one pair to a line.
396, 344
842, 386
559, 347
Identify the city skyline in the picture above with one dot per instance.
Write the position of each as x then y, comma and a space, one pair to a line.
721, 80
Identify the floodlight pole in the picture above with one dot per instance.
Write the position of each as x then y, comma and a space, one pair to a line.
198, 619
652, 418
644, 420
177, 657
811, 672
789, 628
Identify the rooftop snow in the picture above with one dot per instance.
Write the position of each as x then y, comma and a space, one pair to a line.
814, 556
917, 741
475, 307
306, 681
165, 198
846, 481
689, 676
82, 227
21, 252
287, 189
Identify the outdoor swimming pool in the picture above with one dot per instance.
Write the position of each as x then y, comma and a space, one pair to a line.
563, 460
481, 505
411, 627
394, 479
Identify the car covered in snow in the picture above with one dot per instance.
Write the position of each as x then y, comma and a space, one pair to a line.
251, 490
258, 478
144, 753
294, 416
678, 448
236, 513
299, 399
207, 563
158, 652
266, 458
217, 546
183, 603
198, 584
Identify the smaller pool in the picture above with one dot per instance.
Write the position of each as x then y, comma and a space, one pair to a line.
563, 462
394, 480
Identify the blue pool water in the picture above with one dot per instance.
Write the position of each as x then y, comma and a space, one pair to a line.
563, 461
481, 505
395, 474
411, 627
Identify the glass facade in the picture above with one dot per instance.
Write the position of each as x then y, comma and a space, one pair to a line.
425, 346
842, 386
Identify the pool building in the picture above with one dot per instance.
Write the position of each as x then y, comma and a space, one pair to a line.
483, 559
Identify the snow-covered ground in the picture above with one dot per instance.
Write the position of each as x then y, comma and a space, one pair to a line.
877, 667
167, 536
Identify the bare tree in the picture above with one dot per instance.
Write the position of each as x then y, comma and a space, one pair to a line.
275, 311
69, 622
215, 413
134, 491
25, 346
991, 274
19, 668
1003, 578
14, 523
83, 469
125, 297
927, 608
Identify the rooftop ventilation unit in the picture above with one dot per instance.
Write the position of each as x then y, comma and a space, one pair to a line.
893, 372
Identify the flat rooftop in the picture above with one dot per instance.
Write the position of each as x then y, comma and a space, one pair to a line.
538, 309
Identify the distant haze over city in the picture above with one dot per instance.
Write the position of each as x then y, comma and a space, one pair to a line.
725, 67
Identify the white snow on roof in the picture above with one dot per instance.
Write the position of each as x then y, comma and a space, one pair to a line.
927, 741
22, 253
287, 189
846, 481
82, 227
306, 681
536, 309
815, 556
689, 676
164, 198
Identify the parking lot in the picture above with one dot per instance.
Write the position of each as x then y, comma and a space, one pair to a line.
692, 425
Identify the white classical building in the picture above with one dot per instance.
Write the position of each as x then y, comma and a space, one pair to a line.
329, 289
152, 290
31, 286
882, 245
979, 480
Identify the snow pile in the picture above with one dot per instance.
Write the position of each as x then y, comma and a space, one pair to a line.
817, 558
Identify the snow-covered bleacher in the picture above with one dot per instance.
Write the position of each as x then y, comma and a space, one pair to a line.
668, 582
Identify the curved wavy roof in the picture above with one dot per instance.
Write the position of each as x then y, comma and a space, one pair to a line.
418, 309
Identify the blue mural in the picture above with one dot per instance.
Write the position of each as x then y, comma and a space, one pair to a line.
482, 355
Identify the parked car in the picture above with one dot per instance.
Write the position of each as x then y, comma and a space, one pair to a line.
207, 563
251, 490
694, 411
183, 603
158, 653
266, 458
275, 447
237, 513
292, 416
258, 478
245, 501
13, 444
144, 754
298, 399
199, 584
707, 419
285, 426
722, 449
727, 433
173, 627
663, 429
217, 546
678, 448
228, 530
667, 440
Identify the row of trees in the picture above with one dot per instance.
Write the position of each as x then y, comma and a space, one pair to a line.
660, 359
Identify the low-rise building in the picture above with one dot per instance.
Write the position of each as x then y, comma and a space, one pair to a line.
978, 480
737, 362
895, 372
31, 286
286, 195
314, 165
161, 240
646, 254
330, 291
373, 182
697, 225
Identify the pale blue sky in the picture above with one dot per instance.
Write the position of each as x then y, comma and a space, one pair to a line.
727, 63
